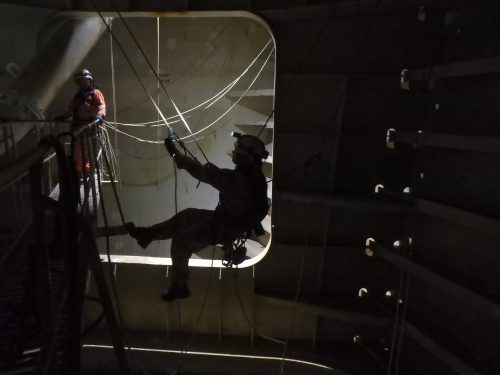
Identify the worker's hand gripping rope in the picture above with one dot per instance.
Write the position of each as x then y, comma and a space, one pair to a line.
171, 147
169, 143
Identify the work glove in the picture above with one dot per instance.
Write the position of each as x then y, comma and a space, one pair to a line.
182, 161
98, 118
170, 146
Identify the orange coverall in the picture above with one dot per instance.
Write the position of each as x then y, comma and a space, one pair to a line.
85, 106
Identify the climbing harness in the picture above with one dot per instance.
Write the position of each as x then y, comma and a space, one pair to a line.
234, 252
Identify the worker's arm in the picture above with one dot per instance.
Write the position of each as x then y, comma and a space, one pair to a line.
221, 179
100, 103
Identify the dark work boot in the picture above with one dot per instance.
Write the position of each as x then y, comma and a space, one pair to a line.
144, 236
175, 291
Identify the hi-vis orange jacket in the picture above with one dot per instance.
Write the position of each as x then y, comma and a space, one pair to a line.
87, 104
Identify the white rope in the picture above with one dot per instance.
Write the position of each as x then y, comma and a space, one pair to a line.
108, 149
237, 101
158, 97
113, 85
112, 155
108, 26
206, 127
130, 135
159, 80
208, 102
149, 124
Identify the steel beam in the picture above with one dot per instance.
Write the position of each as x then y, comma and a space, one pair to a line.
447, 286
459, 216
341, 201
356, 318
438, 351
452, 214
486, 65
325, 312
449, 141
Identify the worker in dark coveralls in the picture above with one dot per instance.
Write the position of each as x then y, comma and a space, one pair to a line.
242, 206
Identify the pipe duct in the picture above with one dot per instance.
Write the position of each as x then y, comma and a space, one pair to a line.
63, 44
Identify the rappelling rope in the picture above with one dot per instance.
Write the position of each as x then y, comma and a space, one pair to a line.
342, 96
113, 86
158, 78
198, 319
106, 225
130, 64
113, 185
158, 133
121, 210
213, 122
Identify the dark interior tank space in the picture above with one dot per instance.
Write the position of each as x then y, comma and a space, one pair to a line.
379, 128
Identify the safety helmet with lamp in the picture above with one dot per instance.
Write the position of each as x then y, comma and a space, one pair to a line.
248, 149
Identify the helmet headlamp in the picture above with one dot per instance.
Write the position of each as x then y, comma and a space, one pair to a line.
251, 144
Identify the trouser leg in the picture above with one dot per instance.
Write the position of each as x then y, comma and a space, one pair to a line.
80, 154
188, 225
166, 229
191, 230
180, 262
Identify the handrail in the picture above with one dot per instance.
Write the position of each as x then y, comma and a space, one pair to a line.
19, 168
61, 313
